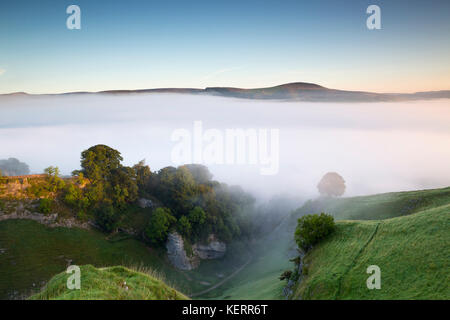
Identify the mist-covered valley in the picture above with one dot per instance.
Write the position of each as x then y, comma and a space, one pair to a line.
376, 147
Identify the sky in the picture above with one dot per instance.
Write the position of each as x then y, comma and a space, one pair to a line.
152, 44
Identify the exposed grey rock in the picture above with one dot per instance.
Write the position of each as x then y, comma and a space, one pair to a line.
287, 291
213, 249
50, 220
177, 255
145, 203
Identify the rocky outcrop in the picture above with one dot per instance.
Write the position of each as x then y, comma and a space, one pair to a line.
287, 291
13, 187
145, 203
213, 249
176, 251
50, 220
24, 210
297, 277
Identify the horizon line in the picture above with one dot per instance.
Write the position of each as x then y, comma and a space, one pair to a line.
212, 87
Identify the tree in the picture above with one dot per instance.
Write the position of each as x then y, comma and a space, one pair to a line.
197, 216
110, 181
98, 162
106, 217
176, 188
199, 172
122, 188
158, 227
331, 184
312, 228
13, 167
54, 182
143, 175
75, 198
184, 227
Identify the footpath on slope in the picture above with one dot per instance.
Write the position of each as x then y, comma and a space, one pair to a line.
223, 281
338, 291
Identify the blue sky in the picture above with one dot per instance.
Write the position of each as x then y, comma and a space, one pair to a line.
147, 44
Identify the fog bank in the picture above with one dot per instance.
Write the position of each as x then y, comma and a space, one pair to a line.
376, 147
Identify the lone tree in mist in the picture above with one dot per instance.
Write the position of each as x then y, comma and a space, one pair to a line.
332, 185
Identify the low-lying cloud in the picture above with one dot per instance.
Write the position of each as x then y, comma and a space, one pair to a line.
376, 147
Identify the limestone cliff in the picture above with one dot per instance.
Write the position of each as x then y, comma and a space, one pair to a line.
176, 251
177, 254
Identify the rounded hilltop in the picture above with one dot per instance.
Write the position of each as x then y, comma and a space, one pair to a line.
111, 283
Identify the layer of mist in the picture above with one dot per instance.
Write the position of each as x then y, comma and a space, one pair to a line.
376, 147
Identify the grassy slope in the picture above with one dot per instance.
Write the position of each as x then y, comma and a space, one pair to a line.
117, 283
379, 206
34, 253
259, 280
413, 253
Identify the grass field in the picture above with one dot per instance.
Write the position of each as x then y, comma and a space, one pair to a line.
259, 280
379, 206
413, 253
31, 253
407, 234
112, 283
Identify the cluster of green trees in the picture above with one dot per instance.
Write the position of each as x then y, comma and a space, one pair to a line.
48, 187
189, 201
103, 188
200, 205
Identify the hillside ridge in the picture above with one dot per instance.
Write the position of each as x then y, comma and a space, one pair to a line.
411, 251
294, 91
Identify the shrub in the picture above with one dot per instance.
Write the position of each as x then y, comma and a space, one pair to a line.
45, 206
286, 275
106, 217
305, 270
312, 228
53, 182
158, 227
82, 216
36, 189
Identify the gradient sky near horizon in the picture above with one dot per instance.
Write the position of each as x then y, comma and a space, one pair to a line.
149, 44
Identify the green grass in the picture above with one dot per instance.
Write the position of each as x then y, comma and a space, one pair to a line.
33, 253
113, 283
411, 250
377, 207
413, 253
259, 279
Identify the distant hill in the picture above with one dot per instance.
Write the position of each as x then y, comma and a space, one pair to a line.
297, 91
